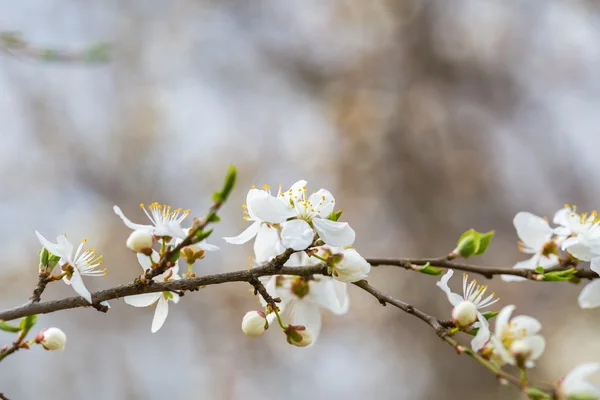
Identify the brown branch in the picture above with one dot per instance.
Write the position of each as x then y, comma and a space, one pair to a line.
43, 280
3, 397
488, 272
268, 269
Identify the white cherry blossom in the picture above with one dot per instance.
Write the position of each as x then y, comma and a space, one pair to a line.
536, 238
474, 294
75, 263
165, 220
160, 298
352, 267
581, 233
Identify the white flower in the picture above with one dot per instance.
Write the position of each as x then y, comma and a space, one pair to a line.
472, 293
581, 233
52, 339
139, 240
314, 209
254, 323
590, 295
516, 337
574, 385
75, 263
464, 314
301, 300
536, 238
352, 267
161, 298
165, 220
261, 207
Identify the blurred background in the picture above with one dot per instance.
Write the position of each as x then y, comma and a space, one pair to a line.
424, 118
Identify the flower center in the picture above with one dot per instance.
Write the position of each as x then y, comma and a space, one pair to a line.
164, 215
300, 287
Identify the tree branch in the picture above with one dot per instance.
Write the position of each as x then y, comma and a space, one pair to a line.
488, 272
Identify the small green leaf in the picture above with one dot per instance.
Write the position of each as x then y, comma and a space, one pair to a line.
167, 294
213, 218
44, 254
27, 323
484, 242
229, 183
540, 270
335, 215
217, 197
558, 276
174, 257
8, 327
537, 394
201, 235
429, 270
489, 314
468, 244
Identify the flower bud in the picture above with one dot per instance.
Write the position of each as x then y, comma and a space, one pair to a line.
254, 323
52, 339
298, 335
349, 266
464, 314
140, 241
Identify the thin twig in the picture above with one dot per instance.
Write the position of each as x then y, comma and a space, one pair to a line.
488, 272
43, 280
3, 397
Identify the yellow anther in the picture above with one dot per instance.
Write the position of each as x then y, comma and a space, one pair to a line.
567, 205
253, 187
266, 187
84, 240
244, 206
323, 197
142, 205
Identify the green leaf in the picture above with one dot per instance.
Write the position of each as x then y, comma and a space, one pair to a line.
490, 314
229, 183
537, 394
97, 52
213, 218
429, 270
9, 328
167, 294
468, 243
44, 254
27, 323
217, 197
335, 215
201, 235
558, 276
484, 242
540, 270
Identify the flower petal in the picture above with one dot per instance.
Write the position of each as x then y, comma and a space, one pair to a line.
266, 245
483, 334
595, 265
145, 261
533, 231
338, 234
77, 283
453, 298
574, 382
537, 344
245, 236
526, 325
206, 246
131, 225
331, 294
502, 319
296, 234
175, 297
268, 208
323, 202
590, 295
51, 247
160, 314
142, 300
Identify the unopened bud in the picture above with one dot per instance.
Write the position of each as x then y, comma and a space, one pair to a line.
298, 335
254, 323
464, 314
140, 241
52, 339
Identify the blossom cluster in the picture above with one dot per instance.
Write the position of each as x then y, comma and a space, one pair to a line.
309, 225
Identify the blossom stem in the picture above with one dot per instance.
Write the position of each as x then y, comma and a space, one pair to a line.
284, 327
319, 257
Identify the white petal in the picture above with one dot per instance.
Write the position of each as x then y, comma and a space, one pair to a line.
160, 315
502, 319
574, 381
590, 295
51, 247
270, 209
331, 294
537, 344
306, 313
78, 286
175, 299
334, 233
296, 234
266, 244
483, 334
295, 192
131, 225
533, 231
548, 261
323, 202
142, 300
65, 245
526, 324
245, 236
562, 216
145, 261
453, 298
206, 246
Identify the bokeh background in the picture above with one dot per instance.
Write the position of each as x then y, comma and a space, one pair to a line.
424, 118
